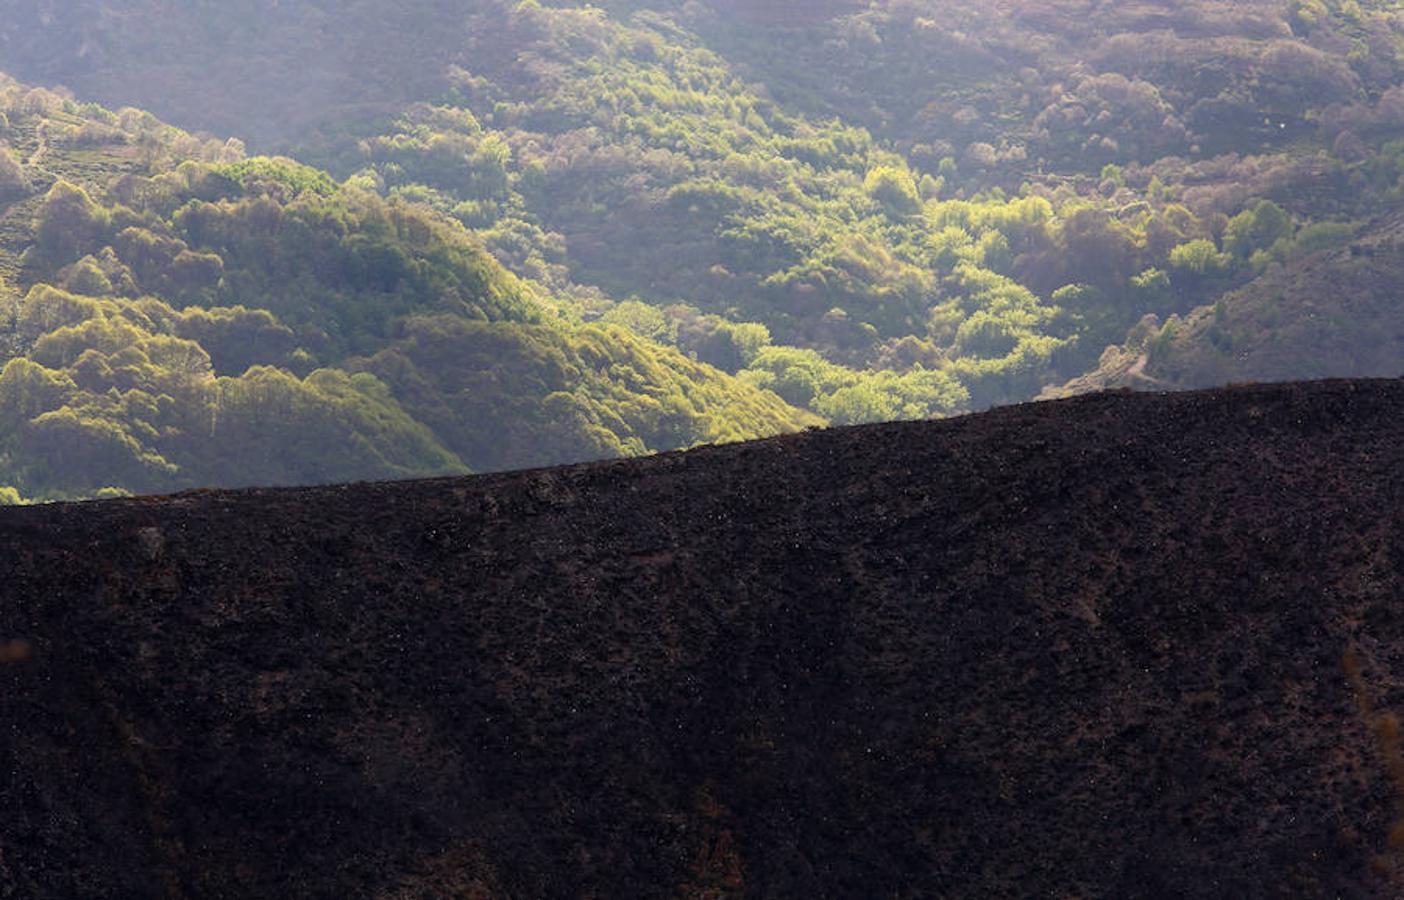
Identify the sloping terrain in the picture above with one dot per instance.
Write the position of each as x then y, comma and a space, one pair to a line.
175, 315
1121, 645
257, 68
877, 209
1332, 313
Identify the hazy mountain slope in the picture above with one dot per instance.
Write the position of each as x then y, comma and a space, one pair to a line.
949, 71
603, 117
875, 210
1335, 312
174, 315
836, 173
638, 156
1123, 645
266, 70
1188, 77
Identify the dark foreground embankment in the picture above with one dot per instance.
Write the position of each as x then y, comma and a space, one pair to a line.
1090, 648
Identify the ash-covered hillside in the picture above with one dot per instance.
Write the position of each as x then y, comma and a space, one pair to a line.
1116, 646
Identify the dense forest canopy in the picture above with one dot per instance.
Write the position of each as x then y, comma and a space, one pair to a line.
185, 315
531, 232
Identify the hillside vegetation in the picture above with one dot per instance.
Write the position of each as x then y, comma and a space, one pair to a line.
185, 316
995, 203
1331, 313
868, 210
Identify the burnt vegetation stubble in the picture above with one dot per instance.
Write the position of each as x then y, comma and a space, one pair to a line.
1088, 647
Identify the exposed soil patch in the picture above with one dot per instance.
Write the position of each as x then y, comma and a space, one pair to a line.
1089, 648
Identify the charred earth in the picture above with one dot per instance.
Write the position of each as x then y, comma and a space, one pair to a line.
1120, 645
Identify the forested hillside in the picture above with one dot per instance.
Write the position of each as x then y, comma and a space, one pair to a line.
181, 315
1333, 313
868, 209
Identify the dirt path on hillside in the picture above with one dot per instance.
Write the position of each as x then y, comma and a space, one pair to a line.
1138, 371
12, 227
41, 145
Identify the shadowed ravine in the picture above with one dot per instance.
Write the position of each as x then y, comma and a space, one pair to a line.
1109, 646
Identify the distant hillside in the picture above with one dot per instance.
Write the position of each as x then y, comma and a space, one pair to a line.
871, 209
1076, 83
1117, 646
876, 209
176, 314
1330, 313
259, 69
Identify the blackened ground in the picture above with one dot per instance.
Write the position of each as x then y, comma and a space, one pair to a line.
1090, 648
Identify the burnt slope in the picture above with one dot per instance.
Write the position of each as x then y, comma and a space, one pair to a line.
1084, 648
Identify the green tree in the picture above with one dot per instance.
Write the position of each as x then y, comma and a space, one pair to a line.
68, 225
894, 188
1258, 227
1199, 257
13, 180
